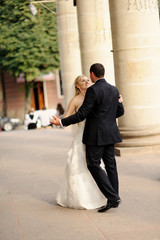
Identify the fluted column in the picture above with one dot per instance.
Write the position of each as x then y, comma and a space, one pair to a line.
136, 46
68, 38
95, 36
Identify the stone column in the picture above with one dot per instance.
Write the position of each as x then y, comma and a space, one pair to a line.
95, 36
136, 46
70, 59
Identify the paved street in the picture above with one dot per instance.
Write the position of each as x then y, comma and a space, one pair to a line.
31, 168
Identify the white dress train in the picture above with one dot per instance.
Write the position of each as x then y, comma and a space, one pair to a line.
78, 189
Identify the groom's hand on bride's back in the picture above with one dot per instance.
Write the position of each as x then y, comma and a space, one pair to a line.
55, 121
120, 99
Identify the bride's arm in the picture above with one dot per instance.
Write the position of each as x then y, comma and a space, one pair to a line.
72, 107
70, 110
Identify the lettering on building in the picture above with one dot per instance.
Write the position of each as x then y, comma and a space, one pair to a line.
142, 5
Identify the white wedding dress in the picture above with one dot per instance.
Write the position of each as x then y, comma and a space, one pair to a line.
78, 189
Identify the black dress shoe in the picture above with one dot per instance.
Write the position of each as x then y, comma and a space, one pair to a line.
116, 205
110, 205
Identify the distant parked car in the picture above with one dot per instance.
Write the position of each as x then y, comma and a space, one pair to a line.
8, 124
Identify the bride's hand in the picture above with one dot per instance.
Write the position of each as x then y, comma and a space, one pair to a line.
55, 121
120, 100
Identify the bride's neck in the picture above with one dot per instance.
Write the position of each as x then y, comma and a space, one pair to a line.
82, 93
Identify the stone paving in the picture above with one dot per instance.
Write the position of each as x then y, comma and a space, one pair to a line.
31, 168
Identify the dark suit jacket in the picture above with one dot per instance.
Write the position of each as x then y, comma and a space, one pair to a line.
100, 109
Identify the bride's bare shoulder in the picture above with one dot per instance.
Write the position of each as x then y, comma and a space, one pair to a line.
77, 102
76, 99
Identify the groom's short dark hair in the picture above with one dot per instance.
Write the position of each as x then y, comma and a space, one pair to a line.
97, 69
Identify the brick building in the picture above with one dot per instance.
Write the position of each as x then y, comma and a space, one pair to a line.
46, 92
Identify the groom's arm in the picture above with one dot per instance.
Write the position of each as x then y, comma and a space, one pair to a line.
120, 110
83, 111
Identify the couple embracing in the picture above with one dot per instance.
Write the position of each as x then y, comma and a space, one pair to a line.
95, 108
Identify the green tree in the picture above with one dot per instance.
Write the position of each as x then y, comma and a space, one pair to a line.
28, 44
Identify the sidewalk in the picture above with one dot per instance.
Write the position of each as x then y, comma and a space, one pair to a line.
31, 168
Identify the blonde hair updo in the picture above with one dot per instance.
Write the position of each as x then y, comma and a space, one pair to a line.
77, 90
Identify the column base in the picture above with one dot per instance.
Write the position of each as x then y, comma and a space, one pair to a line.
124, 151
139, 145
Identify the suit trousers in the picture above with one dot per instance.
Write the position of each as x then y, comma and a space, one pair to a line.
107, 181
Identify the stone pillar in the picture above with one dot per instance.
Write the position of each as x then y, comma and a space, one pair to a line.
70, 59
136, 48
95, 36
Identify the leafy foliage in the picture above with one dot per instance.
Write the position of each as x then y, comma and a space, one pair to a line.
28, 43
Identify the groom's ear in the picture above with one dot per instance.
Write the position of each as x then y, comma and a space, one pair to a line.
91, 74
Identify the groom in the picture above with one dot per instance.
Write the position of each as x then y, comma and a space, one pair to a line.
100, 109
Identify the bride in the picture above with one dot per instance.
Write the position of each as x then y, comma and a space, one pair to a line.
78, 189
